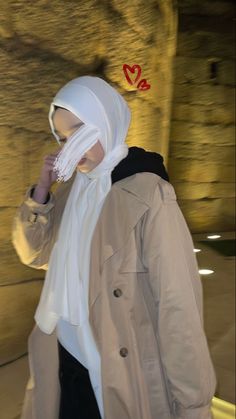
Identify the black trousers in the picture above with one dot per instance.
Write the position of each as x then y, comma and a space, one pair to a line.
77, 396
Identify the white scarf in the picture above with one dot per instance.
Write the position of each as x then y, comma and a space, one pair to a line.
106, 116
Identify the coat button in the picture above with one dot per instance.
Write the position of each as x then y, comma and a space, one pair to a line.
117, 292
123, 352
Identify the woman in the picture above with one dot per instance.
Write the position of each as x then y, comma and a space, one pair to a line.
122, 291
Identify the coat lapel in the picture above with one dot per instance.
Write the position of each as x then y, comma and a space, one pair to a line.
126, 206
126, 209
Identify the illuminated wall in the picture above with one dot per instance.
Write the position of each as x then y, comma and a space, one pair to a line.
201, 160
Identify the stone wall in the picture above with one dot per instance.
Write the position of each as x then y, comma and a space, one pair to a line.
201, 159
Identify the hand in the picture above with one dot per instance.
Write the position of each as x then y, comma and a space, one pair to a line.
47, 175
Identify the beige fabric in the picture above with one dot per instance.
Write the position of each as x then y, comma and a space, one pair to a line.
145, 305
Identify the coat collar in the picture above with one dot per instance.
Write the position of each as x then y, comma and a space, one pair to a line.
140, 185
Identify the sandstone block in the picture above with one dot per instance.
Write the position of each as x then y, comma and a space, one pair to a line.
204, 114
202, 133
12, 270
18, 305
202, 44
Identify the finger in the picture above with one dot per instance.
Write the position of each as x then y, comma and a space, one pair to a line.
52, 154
48, 167
50, 159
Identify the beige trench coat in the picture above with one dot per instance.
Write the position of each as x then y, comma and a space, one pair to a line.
145, 300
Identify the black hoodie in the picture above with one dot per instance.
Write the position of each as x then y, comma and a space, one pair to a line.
139, 160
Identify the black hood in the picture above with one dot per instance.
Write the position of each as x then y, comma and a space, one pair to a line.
139, 160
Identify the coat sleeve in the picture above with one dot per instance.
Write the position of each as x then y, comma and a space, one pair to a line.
176, 285
35, 227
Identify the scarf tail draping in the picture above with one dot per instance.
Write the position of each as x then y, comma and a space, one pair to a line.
65, 291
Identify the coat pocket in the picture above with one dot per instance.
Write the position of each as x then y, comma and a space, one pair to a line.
132, 263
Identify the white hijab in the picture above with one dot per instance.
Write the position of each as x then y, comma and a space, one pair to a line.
106, 118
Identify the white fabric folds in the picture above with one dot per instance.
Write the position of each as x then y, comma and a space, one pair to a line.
68, 158
106, 117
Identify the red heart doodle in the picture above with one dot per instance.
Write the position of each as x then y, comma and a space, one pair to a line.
143, 85
132, 70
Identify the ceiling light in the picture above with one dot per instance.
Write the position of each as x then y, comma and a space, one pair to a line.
205, 271
214, 236
197, 250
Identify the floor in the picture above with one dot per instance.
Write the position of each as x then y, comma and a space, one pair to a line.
13, 380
